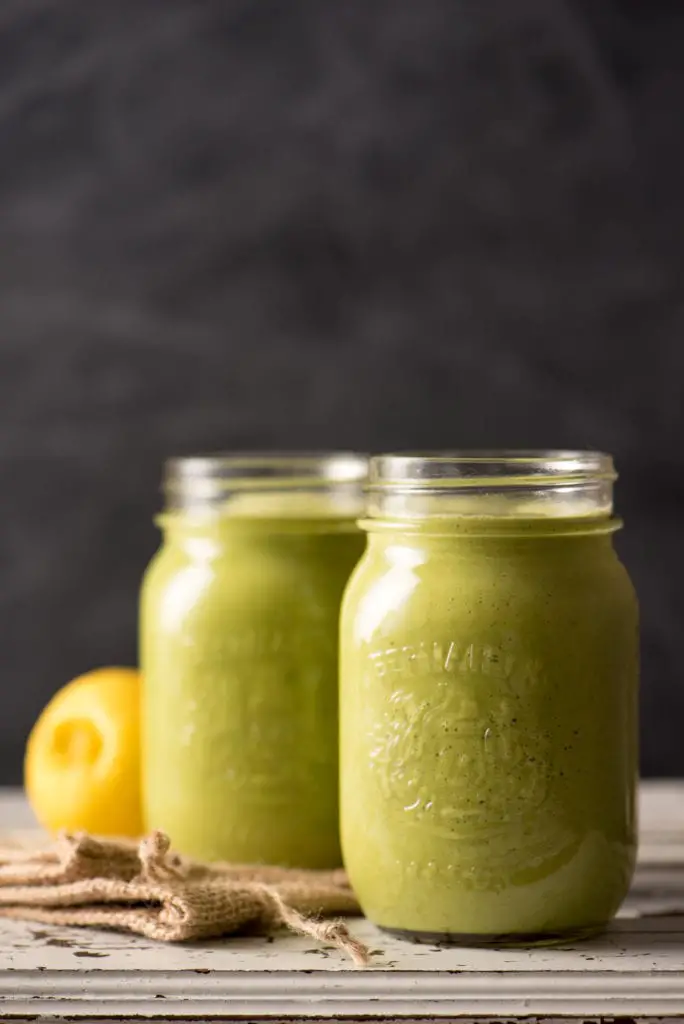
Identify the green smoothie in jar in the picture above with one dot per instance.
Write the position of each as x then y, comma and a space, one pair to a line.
489, 670
239, 638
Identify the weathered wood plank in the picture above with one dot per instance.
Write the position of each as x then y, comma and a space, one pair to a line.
635, 970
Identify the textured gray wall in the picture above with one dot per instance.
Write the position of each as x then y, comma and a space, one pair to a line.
377, 224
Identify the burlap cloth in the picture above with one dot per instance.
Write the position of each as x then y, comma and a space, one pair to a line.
146, 889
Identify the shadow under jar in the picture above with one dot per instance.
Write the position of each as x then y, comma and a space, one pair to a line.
239, 643
488, 678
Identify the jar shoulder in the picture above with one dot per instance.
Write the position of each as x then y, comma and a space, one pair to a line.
236, 578
432, 587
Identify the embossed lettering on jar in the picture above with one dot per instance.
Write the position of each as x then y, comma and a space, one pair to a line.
489, 669
239, 640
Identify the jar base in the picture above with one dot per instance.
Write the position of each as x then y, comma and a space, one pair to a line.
502, 941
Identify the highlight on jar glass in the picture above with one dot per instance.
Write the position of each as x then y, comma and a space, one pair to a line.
488, 688
239, 646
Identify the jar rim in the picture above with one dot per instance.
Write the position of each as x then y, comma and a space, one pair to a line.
209, 481
322, 466
444, 470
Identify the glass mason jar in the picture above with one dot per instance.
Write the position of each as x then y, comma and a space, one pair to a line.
488, 678
239, 641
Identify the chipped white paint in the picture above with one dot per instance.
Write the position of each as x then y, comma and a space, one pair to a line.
636, 970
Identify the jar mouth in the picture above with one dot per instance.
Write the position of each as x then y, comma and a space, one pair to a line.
470, 468
507, 482
278, 482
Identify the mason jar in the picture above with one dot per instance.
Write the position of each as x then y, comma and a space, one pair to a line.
489, 674
239, 642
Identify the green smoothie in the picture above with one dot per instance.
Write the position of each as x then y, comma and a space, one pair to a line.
239, 637
489, 674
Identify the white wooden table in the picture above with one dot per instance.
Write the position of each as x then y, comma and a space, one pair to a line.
636, 971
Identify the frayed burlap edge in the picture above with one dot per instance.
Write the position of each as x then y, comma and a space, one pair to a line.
148, 890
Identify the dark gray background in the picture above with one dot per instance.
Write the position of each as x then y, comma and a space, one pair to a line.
368, 223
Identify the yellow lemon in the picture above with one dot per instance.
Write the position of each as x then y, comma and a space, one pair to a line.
82, 764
